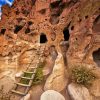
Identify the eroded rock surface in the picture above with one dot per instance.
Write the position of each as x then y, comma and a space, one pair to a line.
95, 88
57, 80
78, 92
51, 95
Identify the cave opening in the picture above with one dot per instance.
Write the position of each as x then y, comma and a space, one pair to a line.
17, 28
3, 31
43, 38
66, 34
96, 57
96, 24
55, 4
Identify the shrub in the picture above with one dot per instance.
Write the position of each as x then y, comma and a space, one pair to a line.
29, 75
38, 76
82, 75
24, 81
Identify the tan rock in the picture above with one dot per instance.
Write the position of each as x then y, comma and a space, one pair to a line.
57, 81
78, 92
52, 95
95, 88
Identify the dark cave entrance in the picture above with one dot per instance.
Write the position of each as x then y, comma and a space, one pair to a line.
96, 57
43, 38
96, 24
17, 28
3, 31
66, 34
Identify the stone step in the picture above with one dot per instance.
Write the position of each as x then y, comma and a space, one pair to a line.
18, 92
24, 85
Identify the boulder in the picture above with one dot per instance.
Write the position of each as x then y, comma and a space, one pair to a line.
51, 95
57, 80
95, 88
78, 92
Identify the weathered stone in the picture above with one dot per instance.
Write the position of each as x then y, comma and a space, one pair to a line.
51, 95
57, 80
78, 92
95, 88
27, 97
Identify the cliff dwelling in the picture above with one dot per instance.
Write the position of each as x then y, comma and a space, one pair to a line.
50, 49
43, 38
96, 56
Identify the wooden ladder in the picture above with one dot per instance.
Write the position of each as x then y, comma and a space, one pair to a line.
30, 70
29, 79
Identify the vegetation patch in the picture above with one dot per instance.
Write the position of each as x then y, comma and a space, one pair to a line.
39, 73
28, 75
24, 81
82, 75
38, 76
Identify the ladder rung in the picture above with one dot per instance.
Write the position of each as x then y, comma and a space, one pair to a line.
29, 72
27, 78
32, 67
18, 92
25, 85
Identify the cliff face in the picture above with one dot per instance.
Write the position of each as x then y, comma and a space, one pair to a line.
51, 21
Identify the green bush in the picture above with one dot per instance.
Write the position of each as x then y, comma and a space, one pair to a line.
82, 75
28, 75
38, 76
24, 81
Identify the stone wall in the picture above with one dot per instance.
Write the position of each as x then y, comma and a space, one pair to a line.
28, 19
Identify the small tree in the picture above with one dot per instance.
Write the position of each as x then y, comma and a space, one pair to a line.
82, 75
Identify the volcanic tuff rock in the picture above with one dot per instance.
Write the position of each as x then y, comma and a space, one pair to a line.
75, 20
57, 80
78, 92
30, 22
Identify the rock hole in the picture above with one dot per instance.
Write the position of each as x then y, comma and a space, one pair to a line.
30, 23
96, 57
96, 24
27, 30
19, 19
72, 28
3, 31
86, 17
17, 28
55, 4
42, 11
33, 2
25, 12
80, 20
66, 34
17, 12
43, 38
97, 20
